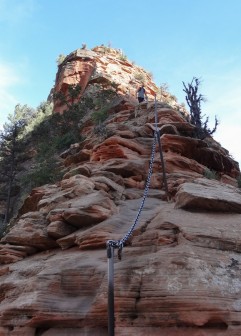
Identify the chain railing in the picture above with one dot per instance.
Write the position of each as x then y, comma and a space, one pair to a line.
119, 244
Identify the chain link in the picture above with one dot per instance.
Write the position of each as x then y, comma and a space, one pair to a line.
120, 243
129, 233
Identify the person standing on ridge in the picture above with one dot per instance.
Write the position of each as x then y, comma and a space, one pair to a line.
141, 94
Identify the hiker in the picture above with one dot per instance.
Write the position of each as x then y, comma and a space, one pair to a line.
141, 94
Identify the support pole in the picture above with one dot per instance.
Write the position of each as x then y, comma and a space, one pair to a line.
161, 154
111, 308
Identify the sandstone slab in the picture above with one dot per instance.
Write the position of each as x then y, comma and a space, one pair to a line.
85, 211
31, 230
59, 229
211, 195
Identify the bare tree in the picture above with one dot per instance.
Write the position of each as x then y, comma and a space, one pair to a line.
194, 100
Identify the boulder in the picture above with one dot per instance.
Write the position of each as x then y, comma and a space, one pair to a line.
209, 195
59, 229
31, 230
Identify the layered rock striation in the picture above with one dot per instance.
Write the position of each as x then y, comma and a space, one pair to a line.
180, 270
102, 67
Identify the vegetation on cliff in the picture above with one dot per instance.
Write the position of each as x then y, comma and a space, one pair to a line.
32, 140
36, 137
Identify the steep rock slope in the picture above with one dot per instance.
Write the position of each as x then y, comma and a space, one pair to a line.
103, 66
180, 271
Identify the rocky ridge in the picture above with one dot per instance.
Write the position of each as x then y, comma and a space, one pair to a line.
180, 271
103, 66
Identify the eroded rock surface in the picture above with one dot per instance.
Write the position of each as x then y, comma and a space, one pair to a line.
180, 272
204, 194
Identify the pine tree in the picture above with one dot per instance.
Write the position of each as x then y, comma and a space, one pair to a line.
11, 151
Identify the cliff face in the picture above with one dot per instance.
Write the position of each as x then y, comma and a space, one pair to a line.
180, 271
102, 66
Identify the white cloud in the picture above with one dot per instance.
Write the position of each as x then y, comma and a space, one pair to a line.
224, 95
15, 11
8, 75
229, 136
224, 101
9, 78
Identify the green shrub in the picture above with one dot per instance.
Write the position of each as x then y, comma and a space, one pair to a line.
106, 49
46, 167
67, 139
139, 76
44, 173
239, 181
2, 228
100, 116
122, 57
150, 74
101, 130
210, 174
60, 59
173, 97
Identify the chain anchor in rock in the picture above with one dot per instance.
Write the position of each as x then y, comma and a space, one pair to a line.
119, 253
111, 309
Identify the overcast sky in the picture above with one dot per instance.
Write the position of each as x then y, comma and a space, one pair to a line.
174, 39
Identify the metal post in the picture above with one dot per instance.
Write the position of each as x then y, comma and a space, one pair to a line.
111, 308
161, 154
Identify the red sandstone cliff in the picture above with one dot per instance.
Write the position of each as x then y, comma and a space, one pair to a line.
180, 272
103, 66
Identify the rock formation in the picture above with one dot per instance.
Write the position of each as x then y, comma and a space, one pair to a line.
104, 66
180, 270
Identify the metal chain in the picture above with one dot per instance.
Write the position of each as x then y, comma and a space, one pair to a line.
120, 243
112, 244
